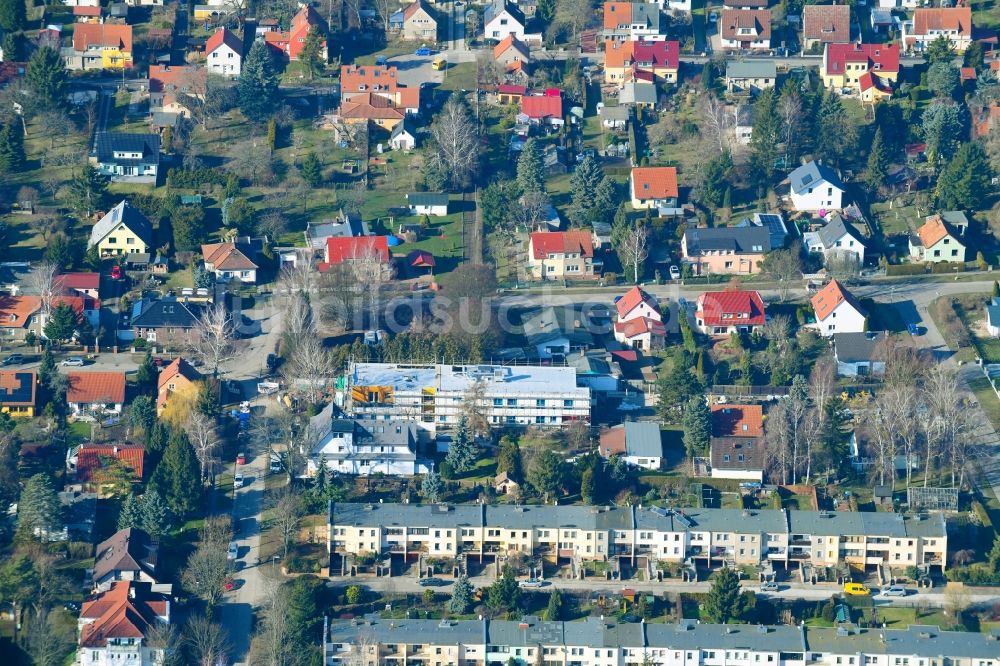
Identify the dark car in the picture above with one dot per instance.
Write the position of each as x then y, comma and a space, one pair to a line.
13, 359
433, 582
272, 362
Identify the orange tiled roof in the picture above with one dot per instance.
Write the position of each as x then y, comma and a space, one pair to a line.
828, 23
15, 311
654, 183
226, 257
177, 367
737, 421
932, 231
371, 106
118, 613
958, 19
758, 20
616, 14
102, 34
829, 297
88, 458
509, 41
631, 300
92, 387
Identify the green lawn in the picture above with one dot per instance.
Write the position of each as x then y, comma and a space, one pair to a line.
987, 400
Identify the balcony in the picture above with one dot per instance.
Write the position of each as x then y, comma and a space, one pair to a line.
798, 555
776, 553
799, 540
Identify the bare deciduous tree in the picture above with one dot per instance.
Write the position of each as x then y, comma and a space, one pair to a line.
213, 336
287, 511
718, 122
43, 282
204, 438
371, 272
456, 134
384, 9
633, 248
309, 364
206, 641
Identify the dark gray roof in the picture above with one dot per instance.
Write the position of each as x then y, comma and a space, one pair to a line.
427, 198
857, 347
389, 433
126, 550
496, 8
751, 69
405, 126
107, 143
589, 363
808, 175
124, 214
164, 312
422, 515
553, 323
750, 448
639, 92
956, 218
836, 229
741, 240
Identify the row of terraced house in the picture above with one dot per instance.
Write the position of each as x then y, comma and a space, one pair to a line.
712, 537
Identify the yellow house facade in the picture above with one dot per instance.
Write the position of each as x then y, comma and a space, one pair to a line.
844, 65
123, 230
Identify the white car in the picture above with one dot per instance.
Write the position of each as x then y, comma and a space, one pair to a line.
713, 17
73, 361
675, 273
234, 551
238, 480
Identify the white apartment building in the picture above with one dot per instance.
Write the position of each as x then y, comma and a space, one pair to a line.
712, 537
600, 641
435, 395
347, 446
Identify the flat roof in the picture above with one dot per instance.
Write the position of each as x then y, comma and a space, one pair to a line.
498, 379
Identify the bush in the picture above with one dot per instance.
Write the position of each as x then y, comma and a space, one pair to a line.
300, 564
905, 269
139, 344
948, 267
194, 178
974, 574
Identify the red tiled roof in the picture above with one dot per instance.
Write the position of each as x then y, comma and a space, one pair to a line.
737, 421
79, 281
932, 231
868, 81
93, 387
86, 11
89, 455
226, 257
371, 106
224, 36
731, 308
654, 183
508, 89
177, 78
880, 57
655, 55
758, 20
829, 297
544, 243
616, 14
102, 34
353, 77
118, 613
827, 23
540, 107
640, 326
339, 250
958, 19
631, 300
420, 259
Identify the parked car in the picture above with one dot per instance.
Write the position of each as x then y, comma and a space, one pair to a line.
275, 465
713, 17
238, 480
856, 589
241, 458
380, 60
73, 361
895, 591
769, 586
675, 273
424, 51
234, 551
433, 581
534, 582
13, 359
116, 272
159, 362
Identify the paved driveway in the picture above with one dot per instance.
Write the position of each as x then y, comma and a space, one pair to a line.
412, 70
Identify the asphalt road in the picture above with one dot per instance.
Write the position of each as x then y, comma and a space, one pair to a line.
932, 598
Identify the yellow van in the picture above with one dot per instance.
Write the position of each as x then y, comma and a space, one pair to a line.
856, 589
439, 63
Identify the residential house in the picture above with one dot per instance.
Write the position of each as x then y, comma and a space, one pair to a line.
89, 464
745, 4
18, 391
860, 354
750, 77
170, 84
899, 4
415, 22
81, 283
504, 485
597, 370
114, 625
631, 21
289, 44
511, 52
546, 109
501, 19
837, 311
427, 203
348, 446
379, 80
825, 24
637, 443
773, 222
522, 395
653, 187
178, 377
127, 158
560, 255
614, 117
722, 313
96, 394
729, 250
510, 94
937, 241
344, 225
993, 317
122, 230
127, 555
21, 315
815, 187
737, 443
403, 136
836, 237
624, 60
554, 332
844, 65
745, 29
639, 94
224, 54
708, 537
230, 261
87, 14
640, 323
99, 46
352, 248
165, 321
929, 23
369, 108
